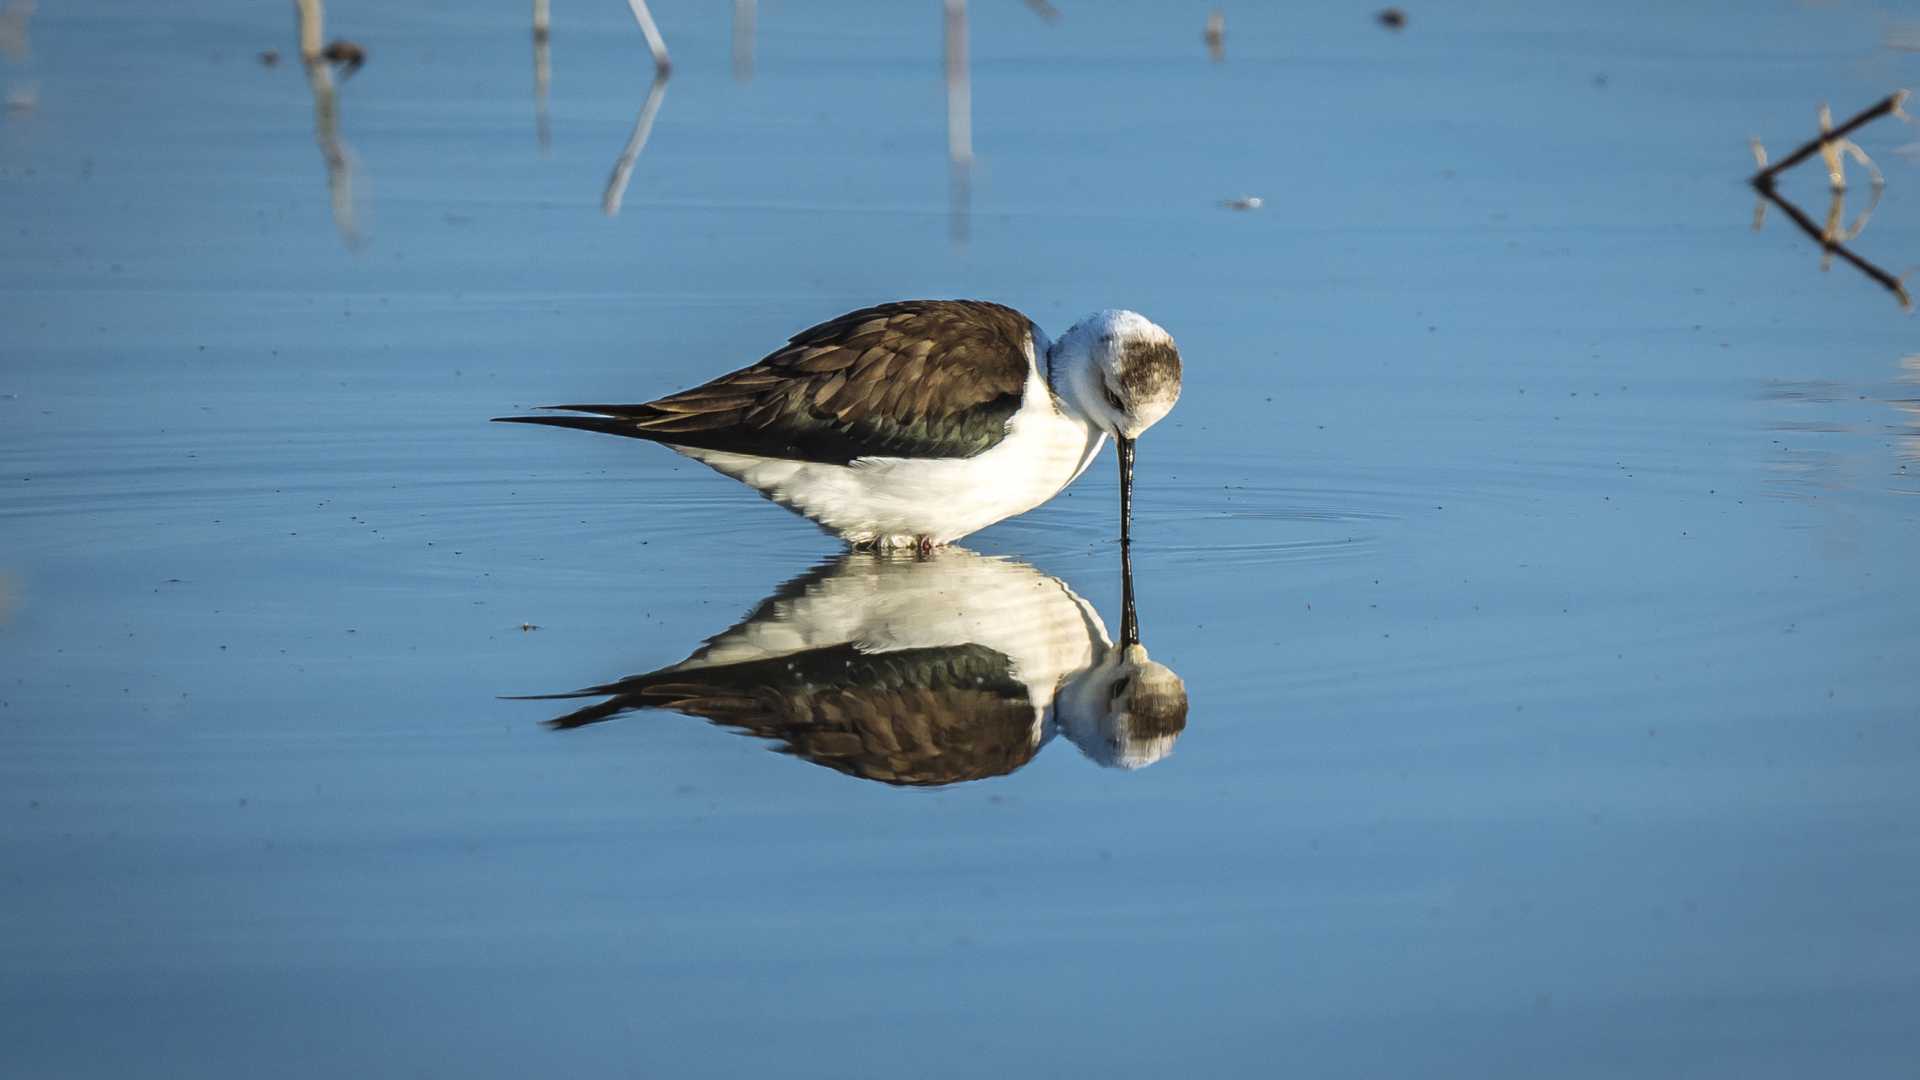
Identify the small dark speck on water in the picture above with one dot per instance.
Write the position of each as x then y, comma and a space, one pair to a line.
1392, 18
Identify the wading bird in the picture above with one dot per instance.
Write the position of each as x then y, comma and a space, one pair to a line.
913, 424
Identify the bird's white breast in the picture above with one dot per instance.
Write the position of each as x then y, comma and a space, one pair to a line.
896, 501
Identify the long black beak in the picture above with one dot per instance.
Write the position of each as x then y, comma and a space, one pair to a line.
1129, 617
1125, 446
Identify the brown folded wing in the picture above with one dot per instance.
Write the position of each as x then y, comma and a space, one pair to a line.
916, 378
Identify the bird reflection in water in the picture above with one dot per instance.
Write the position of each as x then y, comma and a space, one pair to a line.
920, 671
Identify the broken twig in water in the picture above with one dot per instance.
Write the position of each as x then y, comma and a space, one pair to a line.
1833, 242
1819, 145
655, 42
1833, 146
1216, 35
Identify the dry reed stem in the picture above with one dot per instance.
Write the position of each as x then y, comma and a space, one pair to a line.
655, 42
616, 192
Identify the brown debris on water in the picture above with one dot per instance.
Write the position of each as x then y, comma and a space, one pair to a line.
1216, 35
345, 55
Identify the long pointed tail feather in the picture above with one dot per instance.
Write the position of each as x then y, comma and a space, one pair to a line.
604, 423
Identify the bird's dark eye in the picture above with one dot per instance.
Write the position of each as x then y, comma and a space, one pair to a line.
1113, 399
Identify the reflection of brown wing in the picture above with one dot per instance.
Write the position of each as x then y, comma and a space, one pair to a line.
920, 717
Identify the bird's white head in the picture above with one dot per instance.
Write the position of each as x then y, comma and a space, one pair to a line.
1119, 370
1122, 373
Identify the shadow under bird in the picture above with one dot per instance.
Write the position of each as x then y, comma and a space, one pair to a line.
919, 671
915, 423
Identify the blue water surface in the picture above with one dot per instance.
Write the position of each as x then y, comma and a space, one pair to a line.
1536, 542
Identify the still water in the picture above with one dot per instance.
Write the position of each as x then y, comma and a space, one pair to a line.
1535, 543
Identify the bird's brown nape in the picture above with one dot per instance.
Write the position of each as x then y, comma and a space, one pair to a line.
1148, 370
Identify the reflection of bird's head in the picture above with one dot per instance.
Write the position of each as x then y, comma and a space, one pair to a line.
1124, 712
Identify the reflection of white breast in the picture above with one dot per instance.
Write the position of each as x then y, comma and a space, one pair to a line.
883, 603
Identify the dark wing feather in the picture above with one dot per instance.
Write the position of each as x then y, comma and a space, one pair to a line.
918, 717
916, 378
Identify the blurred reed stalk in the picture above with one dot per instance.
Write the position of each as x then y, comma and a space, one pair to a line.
15, 43
13, 29
313, 18
326, 120
542, 72
743, 17
636, 142
959, 120
655, 42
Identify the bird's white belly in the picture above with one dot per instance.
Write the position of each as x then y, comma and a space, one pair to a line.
894, 502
